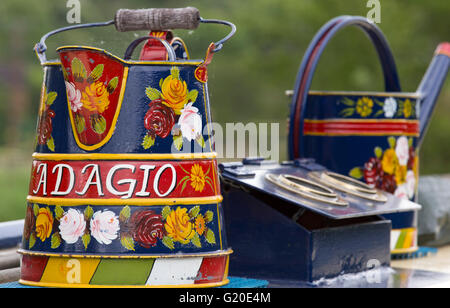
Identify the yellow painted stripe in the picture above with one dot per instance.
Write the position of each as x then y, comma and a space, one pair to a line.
69, 270
135, 156
355, 93
91, 256
66, 285
69, 47
132, 201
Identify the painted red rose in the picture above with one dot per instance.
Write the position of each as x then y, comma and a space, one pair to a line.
373, 171
388, 183
45, 126
159, 119
146, 227
29, 222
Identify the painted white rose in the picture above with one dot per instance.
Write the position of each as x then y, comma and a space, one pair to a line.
72, 226
74, 96
190, 122
410, 183
104, 226
390, 107
401, 191
402, 150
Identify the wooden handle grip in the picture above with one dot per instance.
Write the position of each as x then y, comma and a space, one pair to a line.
157, 19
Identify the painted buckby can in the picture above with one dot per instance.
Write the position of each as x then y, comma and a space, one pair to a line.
124, 188
371, 136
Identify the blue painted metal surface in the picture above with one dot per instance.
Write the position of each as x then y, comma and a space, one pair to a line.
11, 233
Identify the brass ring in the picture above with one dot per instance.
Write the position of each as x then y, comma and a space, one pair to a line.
325, 191
365, 193
333, 201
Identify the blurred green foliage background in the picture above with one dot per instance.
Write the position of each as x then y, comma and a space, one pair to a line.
248, 77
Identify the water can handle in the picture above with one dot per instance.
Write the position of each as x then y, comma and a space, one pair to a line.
310, 61
167, 19
129, 52
157, 19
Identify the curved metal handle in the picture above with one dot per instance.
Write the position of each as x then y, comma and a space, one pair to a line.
41, 48
310, 61
170, 51
219, 44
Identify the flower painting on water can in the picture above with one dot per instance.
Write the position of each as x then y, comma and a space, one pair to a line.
394, 169
171, 112
93, 82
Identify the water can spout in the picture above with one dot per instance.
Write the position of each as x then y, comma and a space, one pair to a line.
431, 85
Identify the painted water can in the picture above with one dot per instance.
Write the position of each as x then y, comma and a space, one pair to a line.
124, 188
372, 136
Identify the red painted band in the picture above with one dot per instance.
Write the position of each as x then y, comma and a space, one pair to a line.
124, 179
338, 127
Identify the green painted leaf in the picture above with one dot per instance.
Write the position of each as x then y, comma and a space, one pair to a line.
86, 238
193, 212
59, 212
348, 102
378, 113
165, 212
392, 142
88, 212
209, 215
98, 124
168, 242
125, 214
192, 95
51, 144
55, 241
152, 93
196, 241
31, 241
347, 112
378, 152
161, 82
210, 237
410, 142
209, 182
80, 123
178, 142
112, 85
35, 209
78, 71
200, 141
148, 142
127, 242
96, 73
356, 173
184, 181
175, 72
51, 96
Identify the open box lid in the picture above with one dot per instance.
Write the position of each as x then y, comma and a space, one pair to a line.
251, 174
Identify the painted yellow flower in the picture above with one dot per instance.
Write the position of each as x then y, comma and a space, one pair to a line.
179, 227
407, 108
389, 161
364, 106
200, 224
95, 97
44, 223
174, 93
400, 174
197, 178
